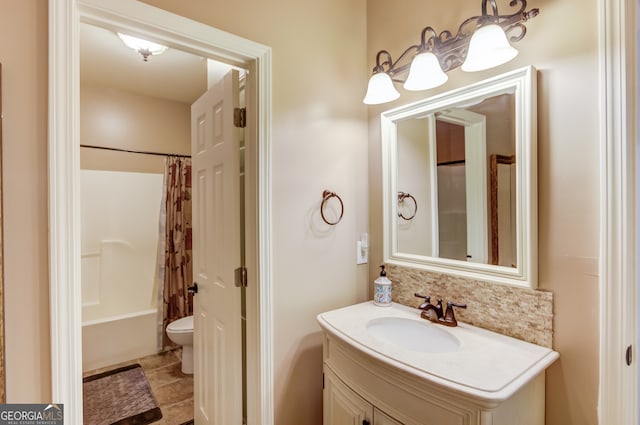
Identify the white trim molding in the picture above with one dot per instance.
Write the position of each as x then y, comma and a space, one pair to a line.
64, 167
64, 217
618, 381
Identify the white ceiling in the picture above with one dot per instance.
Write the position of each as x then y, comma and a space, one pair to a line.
106, 61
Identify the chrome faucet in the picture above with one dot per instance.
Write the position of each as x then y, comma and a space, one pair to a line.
434, 313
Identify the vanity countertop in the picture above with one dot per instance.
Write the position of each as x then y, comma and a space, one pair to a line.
486, 365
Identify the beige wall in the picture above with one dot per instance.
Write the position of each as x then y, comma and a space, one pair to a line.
319, 142
118, 119
23, 52
562, 44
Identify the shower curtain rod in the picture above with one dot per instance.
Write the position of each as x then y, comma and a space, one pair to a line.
133, 151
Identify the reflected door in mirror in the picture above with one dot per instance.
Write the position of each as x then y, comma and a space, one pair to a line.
452, 202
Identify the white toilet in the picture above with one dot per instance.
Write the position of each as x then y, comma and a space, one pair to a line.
181, 332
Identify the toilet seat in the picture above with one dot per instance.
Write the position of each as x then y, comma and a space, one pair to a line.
183, 325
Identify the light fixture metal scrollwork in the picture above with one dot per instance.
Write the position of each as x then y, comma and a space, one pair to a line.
480, 43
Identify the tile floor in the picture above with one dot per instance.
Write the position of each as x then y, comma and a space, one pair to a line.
172, 388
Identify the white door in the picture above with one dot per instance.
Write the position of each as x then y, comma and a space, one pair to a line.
475, 174
216, 253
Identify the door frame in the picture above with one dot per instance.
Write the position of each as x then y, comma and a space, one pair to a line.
617, 398
64, 170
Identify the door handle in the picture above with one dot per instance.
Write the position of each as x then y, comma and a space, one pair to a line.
193, 289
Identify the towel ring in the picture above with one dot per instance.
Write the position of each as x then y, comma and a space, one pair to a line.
326, 195
401, 197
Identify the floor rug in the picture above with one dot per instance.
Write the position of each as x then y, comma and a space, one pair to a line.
119, 397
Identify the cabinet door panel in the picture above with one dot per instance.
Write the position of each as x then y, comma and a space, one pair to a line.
380, 418
342, 406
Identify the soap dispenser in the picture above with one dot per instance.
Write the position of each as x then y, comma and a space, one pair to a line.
382, 289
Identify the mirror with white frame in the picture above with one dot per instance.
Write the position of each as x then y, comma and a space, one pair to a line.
459, 181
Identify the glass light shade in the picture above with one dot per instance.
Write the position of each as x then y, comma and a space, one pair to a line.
488, 47
425, 73
139, 44
380, 89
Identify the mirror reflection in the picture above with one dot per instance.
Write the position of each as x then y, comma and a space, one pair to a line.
459, 181
458, 164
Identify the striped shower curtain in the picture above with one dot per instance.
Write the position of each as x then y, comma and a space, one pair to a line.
175, 272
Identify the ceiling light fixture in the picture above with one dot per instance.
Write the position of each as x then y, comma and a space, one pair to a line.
144, 47
480, 43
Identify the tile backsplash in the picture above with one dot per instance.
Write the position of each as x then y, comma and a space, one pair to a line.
521, 313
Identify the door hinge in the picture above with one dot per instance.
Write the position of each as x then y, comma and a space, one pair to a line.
240, 117
241, 277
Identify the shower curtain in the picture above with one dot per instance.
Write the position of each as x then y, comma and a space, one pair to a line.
175, 272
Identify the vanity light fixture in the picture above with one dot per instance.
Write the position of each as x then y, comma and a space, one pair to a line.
480, 43
144, 47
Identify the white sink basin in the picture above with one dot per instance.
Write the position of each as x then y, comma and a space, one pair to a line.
413, 335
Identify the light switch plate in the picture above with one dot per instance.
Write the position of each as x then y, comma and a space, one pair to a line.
362, 255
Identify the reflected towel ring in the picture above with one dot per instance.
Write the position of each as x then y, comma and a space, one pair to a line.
401, 197
326, 195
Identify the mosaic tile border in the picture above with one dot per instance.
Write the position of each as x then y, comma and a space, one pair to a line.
521, 313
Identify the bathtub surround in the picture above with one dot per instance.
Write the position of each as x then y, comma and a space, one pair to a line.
119, 238
119, 212
521, 313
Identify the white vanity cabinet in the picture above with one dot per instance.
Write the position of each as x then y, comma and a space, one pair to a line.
489, 379
342, 406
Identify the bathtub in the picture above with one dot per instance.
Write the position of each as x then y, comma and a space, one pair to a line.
119, 318
112, 340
